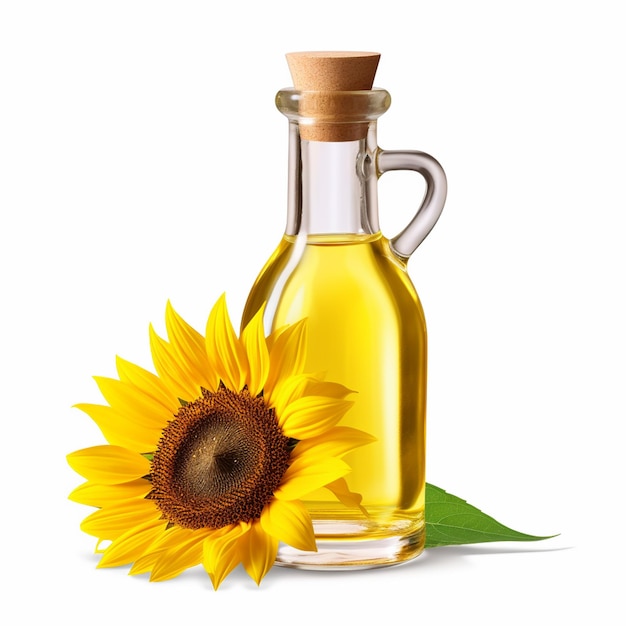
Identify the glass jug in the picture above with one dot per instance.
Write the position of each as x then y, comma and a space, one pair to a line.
366, 327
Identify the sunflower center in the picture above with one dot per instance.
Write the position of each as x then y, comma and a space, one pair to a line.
219, 461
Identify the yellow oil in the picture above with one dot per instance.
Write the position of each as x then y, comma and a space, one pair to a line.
366, 330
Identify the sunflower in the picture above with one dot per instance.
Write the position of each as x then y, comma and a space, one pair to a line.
208, 460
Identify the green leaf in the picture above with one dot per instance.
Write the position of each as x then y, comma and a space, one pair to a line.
451, 521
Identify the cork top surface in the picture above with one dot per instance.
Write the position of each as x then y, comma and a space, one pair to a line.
333, 71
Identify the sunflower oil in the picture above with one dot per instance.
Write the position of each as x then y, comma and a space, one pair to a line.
366, 330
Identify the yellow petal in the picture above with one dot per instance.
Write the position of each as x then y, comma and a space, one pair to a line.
135, 405
185, 548
295, 387
290, 390
323, 388
225, 351
189, 345
222, 552
175, 536
145, 563
93, 494
253, 338
290, 522
148, 383
274, 335
287, 356
131, 545
167, 364
112, 521
311, 416
342, 492
335, 442
109, 465
98, 549
305, 475
119, 431
258, 553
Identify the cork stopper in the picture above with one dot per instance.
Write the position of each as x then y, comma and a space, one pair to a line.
326, 77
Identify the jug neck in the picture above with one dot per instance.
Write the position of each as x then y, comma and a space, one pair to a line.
332, 186
333, 177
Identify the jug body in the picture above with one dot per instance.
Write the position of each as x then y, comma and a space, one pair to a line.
366, 329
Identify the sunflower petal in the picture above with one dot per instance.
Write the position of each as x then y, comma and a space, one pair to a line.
331, 389
305, 475
222, 552
184, 551
167, 364
108, 465
132, 544
274, 335
148, 383
189, 345
118, 430
94, 494
289, 521
135, 405
253, 338
258, 553
145, 563
342, 492
225, 351
112, 521
287, 357
336, 442
311, 416
98, 549
290, 390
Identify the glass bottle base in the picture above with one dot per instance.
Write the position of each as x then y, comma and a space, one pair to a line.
344, 546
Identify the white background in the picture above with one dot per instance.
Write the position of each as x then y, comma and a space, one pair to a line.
142, 158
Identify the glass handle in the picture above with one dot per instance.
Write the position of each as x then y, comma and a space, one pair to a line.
405, 243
